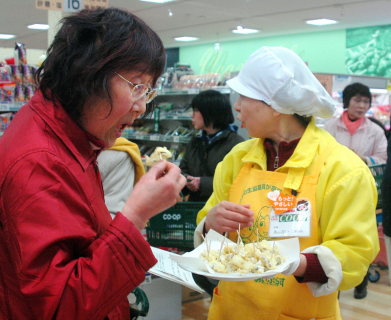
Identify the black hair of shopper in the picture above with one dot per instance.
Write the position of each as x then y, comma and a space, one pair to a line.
88, 50
214, 107
353, 89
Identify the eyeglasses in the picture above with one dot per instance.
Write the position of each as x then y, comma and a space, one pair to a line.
358, 100
141, 90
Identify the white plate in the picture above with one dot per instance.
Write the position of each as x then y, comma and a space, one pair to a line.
290, 248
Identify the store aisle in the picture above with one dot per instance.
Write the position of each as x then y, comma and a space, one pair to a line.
376, 306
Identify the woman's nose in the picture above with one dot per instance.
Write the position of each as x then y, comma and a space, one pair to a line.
139, 106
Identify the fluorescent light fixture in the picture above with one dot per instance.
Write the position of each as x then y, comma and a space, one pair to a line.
321, 22
6, 36
378, 91
38, 26
158, 1
186, 38
245, 31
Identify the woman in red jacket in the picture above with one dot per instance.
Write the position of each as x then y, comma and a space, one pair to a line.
61, 254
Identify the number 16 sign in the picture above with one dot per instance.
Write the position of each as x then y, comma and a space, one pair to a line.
73, 5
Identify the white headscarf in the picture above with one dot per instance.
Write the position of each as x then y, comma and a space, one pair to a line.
280, 78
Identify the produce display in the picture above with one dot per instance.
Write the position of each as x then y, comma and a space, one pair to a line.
368, 51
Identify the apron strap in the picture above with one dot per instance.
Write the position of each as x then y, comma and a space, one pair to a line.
296, 175
321, 161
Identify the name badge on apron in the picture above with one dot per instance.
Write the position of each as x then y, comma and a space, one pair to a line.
294, 222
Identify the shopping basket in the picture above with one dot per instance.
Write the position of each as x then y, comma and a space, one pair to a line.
377, 172
175, 226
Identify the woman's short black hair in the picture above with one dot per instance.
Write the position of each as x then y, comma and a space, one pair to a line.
214, 107
90, 47
353, 89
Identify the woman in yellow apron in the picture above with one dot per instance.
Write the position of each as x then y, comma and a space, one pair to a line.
331, 187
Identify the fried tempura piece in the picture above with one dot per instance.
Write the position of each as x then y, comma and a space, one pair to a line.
160, 153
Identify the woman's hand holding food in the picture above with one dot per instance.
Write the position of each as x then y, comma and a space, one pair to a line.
156, 191
193, 184
227, 216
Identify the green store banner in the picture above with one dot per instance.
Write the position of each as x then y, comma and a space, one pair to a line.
368, 51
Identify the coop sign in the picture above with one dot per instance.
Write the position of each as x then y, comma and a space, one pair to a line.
175, 216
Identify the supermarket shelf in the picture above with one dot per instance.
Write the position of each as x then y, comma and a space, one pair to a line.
170, 117
192, 91
157, 137
15, 106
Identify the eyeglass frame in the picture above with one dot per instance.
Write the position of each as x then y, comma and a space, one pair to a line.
364, 101
147, 92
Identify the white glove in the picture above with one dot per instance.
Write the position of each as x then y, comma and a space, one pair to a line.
292, 267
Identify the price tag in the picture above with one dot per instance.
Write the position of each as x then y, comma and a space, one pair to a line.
72, 5
193, 90
155, 137
4, 107
176, 139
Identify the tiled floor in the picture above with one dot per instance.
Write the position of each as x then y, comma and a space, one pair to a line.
376, 306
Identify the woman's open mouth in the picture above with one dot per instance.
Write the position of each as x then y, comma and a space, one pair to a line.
121, 129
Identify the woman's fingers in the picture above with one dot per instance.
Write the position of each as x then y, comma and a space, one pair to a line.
227, 216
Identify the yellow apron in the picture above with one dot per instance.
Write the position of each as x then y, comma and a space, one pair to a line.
282, 297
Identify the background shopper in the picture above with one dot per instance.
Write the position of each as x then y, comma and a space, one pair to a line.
62, 256
212, 113
279, 98
354, 130
363, 136
120, 168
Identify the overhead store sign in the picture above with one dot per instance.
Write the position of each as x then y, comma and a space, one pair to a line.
70, 5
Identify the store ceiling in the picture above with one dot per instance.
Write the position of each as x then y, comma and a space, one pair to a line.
210, 20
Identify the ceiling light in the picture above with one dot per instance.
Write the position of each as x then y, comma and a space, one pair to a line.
7, 36
239, 27
186, 38
38, 26
245, 31
170, 14
157, 1
321, 22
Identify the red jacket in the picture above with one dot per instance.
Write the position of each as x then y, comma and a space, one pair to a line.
61, 255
